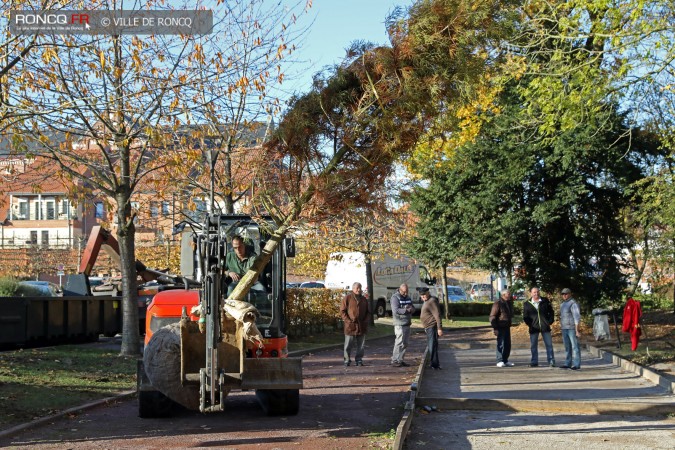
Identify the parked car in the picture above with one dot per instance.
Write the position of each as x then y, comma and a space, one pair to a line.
95, 281
42, 288
312, 285
480, 290
292, 285
456, 294
519, 295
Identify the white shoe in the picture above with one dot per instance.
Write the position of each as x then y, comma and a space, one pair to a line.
510, 364
501, 364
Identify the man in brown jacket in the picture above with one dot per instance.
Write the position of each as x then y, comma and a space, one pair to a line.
501, 317
355, 312
433, 326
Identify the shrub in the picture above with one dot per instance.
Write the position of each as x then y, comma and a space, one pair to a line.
311, 311
8, 287
651, 302
470, 309
473, 309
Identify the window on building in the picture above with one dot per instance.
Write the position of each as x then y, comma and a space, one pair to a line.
98, 210
38, 216
45, 238
154, 209
23, 209
65, 205
165, 208
51, 210
33, 238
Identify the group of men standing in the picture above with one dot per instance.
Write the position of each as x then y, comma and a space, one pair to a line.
538, 315
356, 315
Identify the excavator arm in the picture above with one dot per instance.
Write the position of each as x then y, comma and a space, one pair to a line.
102, 239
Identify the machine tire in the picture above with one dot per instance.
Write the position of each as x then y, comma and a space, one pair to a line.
153, 404
380, 309
279, 402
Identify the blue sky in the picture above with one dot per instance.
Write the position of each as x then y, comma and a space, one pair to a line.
337, 23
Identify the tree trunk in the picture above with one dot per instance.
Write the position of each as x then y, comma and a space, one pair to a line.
250, 277
369, 286
126, 232
444, 294
229, 184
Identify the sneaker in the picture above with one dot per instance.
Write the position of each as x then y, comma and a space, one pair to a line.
359, 363
575, 368
404, 364
396, 364
509, 364
551, 364
501, 364
347, 363
533, 365
437, 368
565, 367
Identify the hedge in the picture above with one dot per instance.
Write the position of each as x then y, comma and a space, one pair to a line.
473, 309
310, 311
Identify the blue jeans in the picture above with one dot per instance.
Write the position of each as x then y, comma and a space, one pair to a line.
573, 357
354, 341
503, 344
402, 333
548, 342
432, 345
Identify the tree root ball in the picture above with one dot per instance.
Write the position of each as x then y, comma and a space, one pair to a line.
161, 360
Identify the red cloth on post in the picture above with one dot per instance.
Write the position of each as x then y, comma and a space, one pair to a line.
632, 313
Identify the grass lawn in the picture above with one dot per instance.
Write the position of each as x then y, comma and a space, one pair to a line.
42, 381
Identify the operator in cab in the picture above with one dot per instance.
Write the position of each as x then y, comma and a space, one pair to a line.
238, 261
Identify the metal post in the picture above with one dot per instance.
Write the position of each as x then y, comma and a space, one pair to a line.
616, 327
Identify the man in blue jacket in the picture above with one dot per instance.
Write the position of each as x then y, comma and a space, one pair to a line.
570, 316
538, 315
402, 310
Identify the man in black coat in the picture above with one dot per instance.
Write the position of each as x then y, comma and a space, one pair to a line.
538, 315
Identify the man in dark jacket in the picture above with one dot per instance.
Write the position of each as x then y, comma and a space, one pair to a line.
402, 310
501, 317
433, 327
355, 312
538, 315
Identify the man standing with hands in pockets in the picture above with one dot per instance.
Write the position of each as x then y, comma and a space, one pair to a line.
355, 312
433, 327
570, 316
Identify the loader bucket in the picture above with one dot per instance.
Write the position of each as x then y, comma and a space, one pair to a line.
272, 373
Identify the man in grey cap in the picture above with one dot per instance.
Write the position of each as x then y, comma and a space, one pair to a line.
570, 316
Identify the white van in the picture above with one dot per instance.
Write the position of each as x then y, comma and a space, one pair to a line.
346, 268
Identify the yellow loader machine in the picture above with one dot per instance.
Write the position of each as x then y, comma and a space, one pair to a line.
203, 345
